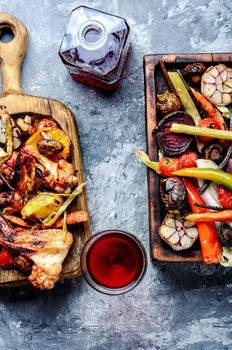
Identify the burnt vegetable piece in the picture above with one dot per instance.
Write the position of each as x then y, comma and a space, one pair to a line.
168, 102
213, 151
49, 147
193, 72
179, 234
225, 235
173, 144
173, 194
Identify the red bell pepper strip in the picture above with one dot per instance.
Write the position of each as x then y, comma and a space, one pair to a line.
166, 166
224, 197
210, 246
6, 258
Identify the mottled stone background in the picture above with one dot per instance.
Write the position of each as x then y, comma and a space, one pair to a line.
180, 306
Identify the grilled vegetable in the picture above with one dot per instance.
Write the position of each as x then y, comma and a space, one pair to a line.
51, 218
169, 143
213, 151
212, 111
225, 235
193, 72
40, 206
210, 246
216, 85
215, 175
173, 194
184, 96
207, 189
198, 131
71, 219
224, 197
16, 220
222, 216
49, 147
229, 166
207, 123
54, 134
166, 166
43, 124
168, 102
224, 112
179, 234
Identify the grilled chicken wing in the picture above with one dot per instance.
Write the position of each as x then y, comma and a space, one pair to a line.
57, 176
46, 248
8, 167
24, 177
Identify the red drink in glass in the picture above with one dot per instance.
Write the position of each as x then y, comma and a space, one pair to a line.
113, 262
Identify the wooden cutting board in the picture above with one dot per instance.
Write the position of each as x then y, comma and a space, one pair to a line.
156, 84
18, 102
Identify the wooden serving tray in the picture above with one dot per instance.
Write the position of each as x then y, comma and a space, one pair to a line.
155, 84
18, 102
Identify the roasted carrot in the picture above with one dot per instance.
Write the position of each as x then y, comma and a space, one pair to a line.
72, 219
210, 246
17, 221
223, 215
212, 111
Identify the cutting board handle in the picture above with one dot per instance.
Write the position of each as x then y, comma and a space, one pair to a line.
12, 53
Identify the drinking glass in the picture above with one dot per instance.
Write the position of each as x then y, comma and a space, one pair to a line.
113, 261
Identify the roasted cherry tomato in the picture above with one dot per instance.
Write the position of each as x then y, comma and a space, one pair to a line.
188, 160
224, 197
208, 123
168, 165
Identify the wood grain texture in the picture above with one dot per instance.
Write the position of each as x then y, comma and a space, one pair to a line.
17, 102
155, 83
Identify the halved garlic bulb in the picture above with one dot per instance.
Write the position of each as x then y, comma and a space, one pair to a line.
216, 85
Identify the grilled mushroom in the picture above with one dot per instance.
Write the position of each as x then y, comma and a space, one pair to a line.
213, 151
193, 72
168, 102
49, 147
225, 235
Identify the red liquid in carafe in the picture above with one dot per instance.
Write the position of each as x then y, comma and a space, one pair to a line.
115, 261
92, 81
95, 47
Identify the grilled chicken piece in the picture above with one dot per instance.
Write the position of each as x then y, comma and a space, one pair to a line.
57, 176
24, 177
24, 124
12, 201
47, 249
25, 172
8, 167
179, 234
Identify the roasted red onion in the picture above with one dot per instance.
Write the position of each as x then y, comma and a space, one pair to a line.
229, 166
170, 143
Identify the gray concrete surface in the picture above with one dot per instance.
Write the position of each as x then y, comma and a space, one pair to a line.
182, 307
